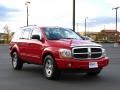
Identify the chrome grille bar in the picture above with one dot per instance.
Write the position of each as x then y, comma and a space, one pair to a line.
87, 52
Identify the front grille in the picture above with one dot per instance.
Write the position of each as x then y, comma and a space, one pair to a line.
82, 50
96, 55
87, 52
82, 56
96, 50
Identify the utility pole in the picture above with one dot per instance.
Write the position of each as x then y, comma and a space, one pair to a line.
73, 15
27, 4
116, 44
85, 25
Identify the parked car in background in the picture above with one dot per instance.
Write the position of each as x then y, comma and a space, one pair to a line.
57, 49
87, 38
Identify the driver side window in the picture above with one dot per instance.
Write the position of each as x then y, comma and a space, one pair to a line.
36, 31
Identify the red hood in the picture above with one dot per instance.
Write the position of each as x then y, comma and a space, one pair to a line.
83, 43
66, 43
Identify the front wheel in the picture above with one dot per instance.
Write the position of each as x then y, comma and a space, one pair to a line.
16, 62
50, 69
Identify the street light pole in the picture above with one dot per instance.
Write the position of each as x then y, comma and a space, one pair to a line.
116, 44
85, 25
77, 26
73, 15
27, 3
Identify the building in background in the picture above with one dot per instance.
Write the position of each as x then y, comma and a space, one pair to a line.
103, 36
108, 35
2, 37
6, 38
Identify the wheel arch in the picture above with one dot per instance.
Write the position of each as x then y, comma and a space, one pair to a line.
47, 53
14, 49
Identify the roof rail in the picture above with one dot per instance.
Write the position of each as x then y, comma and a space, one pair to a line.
28, 26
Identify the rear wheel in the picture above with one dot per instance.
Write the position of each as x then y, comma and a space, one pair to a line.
50, 69
16, 62
94, 72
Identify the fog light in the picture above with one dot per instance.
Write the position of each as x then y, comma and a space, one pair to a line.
69, 64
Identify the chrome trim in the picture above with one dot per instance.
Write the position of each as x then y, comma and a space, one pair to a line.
89, 52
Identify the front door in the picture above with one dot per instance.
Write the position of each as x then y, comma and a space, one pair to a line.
35, 47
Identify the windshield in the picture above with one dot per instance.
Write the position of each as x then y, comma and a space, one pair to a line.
60, 33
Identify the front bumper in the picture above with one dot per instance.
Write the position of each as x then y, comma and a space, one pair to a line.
81, 64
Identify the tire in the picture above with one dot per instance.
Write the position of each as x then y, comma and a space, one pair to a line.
94, 72
16, 62
50, 69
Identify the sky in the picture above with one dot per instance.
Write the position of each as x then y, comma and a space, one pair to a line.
99, 14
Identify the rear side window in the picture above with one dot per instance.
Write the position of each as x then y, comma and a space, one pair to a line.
26, 33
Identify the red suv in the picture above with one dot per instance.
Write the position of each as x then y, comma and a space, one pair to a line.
56, 49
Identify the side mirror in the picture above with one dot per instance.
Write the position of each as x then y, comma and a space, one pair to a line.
36, 37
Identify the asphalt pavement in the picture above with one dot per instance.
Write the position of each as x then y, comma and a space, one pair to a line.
31, 76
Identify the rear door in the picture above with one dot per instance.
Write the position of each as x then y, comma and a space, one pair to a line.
24, 43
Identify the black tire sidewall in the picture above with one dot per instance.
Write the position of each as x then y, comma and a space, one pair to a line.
19, 63
54, 74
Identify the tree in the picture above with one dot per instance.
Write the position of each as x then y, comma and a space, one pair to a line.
7, 33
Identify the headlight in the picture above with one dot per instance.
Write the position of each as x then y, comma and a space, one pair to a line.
65, 53
104, 52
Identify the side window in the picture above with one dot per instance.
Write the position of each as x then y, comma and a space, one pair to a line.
36, 31
26, 33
